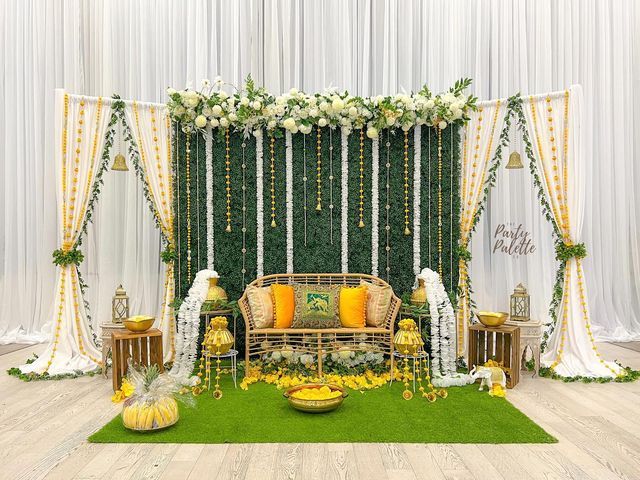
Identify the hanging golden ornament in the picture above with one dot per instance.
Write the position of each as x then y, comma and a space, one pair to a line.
273, 181
361, 158
406, 184
407, 339
120, 164
319, 168
514, 161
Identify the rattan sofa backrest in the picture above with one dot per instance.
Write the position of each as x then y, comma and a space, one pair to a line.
347, 279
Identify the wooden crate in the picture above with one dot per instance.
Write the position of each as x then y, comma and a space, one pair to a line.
501, 344
142, 348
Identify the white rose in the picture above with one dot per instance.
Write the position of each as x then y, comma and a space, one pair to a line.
313, 112
442, 125
214, 122
276, 356
233, 117
257, 105
294, 129
286, 354
337, 104
280, 101
223, 95
323, 106
430, 103
280, 109
193, 101
179, 110
372, 132
244, 101
306, 129
224, 122
200, 121
289, 123
271, 124
322, 122
293, 92
313, 101
353, 111
448, 97
391, 120
216, 110
303, 114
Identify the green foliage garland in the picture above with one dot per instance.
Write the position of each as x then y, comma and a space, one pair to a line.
63, 258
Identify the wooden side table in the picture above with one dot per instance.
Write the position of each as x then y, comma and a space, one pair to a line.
531, 337
106, 329
501, 344
142, 348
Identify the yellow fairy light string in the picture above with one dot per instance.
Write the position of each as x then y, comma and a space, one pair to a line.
318, 167
188, 179
462, 264
440, 202
64, 167
272, 144
67, 244
227, 163
361, 208
406, 184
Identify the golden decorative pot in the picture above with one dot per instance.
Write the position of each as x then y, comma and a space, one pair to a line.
218, 339
147, 417
492, 319
407, 340
215, 295
138, 323
315, 405
419, 295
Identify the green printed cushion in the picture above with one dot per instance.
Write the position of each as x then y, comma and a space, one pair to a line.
316, 306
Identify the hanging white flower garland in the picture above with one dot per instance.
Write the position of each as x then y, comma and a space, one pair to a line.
375, 206
344, 192
289, 198
208, 137
188, 326
417, 160
443, 362
259, 205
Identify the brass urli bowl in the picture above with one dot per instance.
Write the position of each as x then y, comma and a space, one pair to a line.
138, 323
315, 406
492, 319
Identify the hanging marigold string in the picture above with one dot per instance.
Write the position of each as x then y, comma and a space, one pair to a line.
304, 185
188, 188
227, 163
407, 231
319, 168
361, 208
244, 214
272, 149
76, 305
387, 208
331, 186
440, 202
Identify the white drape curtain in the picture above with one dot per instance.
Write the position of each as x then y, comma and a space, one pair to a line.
81, 128
554, 124
151, 129
137, 49
480, 138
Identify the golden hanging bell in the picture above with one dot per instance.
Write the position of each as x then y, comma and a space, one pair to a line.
120, 164
407, 231
216, 296
361, 224
514, 161
319, 207
273, 224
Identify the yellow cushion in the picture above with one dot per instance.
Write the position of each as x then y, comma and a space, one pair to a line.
353, 306
378, 301
261, 304
284, 305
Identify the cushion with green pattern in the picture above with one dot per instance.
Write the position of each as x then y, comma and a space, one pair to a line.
316, 306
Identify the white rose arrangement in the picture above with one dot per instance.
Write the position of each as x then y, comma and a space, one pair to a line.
252, 108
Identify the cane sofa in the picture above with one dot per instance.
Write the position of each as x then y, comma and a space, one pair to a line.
318, 341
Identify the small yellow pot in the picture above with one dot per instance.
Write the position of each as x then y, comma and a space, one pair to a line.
219, 339
407, 340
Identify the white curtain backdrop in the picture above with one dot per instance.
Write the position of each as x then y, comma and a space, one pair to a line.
137, 49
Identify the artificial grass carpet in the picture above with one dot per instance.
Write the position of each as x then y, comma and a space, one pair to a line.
262, 415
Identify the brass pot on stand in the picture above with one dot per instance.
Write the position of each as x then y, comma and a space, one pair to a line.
216, 296
407, 340
419, 295
218, 340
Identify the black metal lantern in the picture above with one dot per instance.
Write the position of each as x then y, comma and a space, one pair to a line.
520, 304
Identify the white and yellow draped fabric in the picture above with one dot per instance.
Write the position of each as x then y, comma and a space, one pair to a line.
481, 137
553, 123
80, 131
151, 128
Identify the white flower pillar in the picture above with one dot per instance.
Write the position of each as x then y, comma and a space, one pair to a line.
481, 137
80, 128
151, 129
554, 125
